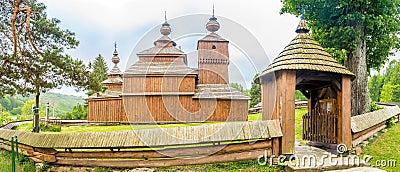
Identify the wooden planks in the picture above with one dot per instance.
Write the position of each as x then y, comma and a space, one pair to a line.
168, 153
357, 138
106, 110
166, 162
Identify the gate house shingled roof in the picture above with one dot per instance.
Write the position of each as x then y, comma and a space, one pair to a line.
304, 53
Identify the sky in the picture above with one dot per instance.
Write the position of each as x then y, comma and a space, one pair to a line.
134, 25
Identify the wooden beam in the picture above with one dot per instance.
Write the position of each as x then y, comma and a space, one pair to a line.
363, 135
166, 162
344, 117
178, 152
288, 90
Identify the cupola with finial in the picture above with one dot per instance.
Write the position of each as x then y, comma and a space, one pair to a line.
165, 27
212, 25
302, 27
115, 59
114, 80
163, 45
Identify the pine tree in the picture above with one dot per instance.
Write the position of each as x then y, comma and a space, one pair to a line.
98, 75
32, 52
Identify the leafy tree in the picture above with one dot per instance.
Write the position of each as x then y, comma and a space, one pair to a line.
300, 96
387, 92
6, 103
26, 110
10, 102
238, 87
375, 84
4, 117
2, 109
32, 52
255, 93
359, 33
16, 111
389, 71
98, 75
79, 112
391, 89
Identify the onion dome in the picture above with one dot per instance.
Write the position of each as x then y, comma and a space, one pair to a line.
213, 24
304, 53
115, 59
164, 44
165, 27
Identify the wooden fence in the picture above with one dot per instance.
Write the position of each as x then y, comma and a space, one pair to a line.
366, 125
320, 127
151, 147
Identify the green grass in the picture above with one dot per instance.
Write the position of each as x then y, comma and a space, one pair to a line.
299, 123
254, 117
385, 147
22, 165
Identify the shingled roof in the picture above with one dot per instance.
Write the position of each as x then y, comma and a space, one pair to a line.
213, 37
160, 68
218, 91
304, 53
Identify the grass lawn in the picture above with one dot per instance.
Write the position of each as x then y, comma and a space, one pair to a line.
23, 165
254, 117
298, 121
386, 147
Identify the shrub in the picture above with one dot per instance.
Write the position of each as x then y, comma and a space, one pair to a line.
49, 127
375, 107
390, 122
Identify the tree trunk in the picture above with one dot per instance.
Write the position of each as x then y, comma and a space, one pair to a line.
357, 63
36, 114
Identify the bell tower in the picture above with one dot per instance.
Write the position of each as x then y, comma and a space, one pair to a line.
213, 56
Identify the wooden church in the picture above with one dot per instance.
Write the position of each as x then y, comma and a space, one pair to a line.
161, 88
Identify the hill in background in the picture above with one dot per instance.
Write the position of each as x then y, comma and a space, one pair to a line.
62, 103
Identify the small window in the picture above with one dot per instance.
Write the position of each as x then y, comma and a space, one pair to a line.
214, 47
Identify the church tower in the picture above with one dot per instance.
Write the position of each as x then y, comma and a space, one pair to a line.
213, 56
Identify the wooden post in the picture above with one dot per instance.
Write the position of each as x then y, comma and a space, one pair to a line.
344, 125
286, 109
268, 92
278, 103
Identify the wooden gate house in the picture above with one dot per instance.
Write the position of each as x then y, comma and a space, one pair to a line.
304, 65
